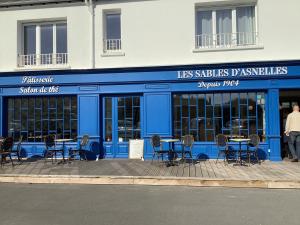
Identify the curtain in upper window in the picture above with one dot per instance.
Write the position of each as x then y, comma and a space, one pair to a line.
113, 26
245, 25
204, 28
224, 27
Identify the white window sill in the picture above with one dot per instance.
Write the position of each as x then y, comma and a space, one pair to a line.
42, 67
252, 47
109, 54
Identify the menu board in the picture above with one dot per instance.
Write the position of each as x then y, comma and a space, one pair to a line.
136, 149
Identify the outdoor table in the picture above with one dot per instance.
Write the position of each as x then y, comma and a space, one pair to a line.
240, 141
63, 141
171, 142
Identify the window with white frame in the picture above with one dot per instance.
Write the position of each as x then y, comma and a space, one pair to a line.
112, 31
226, 27
44, 44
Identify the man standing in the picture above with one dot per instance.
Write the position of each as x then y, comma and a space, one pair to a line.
292, 130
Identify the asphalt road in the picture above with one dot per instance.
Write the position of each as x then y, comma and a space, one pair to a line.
145, 205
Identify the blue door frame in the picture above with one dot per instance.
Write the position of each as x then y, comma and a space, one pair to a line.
116, 147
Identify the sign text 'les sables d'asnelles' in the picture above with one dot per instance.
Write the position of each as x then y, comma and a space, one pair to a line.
230, 77
233, 73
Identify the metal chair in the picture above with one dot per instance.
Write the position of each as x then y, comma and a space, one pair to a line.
17, 150
252, 148
187, 142
223, 148
51, 150
81, 151
6, 149
157, 148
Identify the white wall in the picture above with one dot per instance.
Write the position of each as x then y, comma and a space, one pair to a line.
79, 35
157, 32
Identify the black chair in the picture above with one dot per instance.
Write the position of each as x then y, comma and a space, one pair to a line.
252, 148
223, 148
17, 150
6, 149
81, 151
51, 149
157, 148
187, 142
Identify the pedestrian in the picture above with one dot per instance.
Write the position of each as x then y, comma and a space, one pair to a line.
292, 130
285, 148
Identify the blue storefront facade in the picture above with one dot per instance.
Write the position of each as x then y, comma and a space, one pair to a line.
115, 105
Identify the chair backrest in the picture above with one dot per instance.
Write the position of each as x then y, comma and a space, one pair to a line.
188, 140
50, 141
221, 140
7, 144
254, 140
84, 140
155, 141
19, 143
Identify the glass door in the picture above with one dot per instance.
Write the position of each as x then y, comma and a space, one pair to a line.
121, 122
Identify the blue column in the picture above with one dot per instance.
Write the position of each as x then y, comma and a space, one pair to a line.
1, 116
274, 125
89, 122
157, 117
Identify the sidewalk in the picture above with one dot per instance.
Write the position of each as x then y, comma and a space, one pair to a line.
204, 173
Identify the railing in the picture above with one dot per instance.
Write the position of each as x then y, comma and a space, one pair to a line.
43, 59
112, 45
226, 40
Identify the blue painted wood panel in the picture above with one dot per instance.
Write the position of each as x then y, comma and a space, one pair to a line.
157, 114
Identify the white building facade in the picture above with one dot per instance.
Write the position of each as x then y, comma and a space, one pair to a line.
209, 67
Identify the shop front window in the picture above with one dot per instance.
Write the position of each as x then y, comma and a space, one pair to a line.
206, 115
123, 114
36, 117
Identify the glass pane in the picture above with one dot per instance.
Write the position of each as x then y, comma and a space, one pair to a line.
204, 28
201, 105
176, 100
29, 39
47, 39
193, 100
52, 102
209, 123
61, 38
218, 125
201, 129
136, 118
74, 107
245, 25
224, 27
185, 111
243, 98
113, 26
210, 135
136, 101
204, 22
235, 105
67, 102
108, 108
209, 99
121, 101
252, 104
60, 108
244, 111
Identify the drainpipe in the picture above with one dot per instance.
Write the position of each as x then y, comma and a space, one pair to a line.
91, 9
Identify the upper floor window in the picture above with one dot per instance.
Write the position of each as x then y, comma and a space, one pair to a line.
44, 44
225, 28
112, 31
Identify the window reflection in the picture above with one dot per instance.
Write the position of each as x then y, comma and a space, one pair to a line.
36, 117
206, 115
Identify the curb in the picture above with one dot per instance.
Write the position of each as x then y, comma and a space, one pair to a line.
139, 180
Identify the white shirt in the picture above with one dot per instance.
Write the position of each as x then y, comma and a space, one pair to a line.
293, 122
